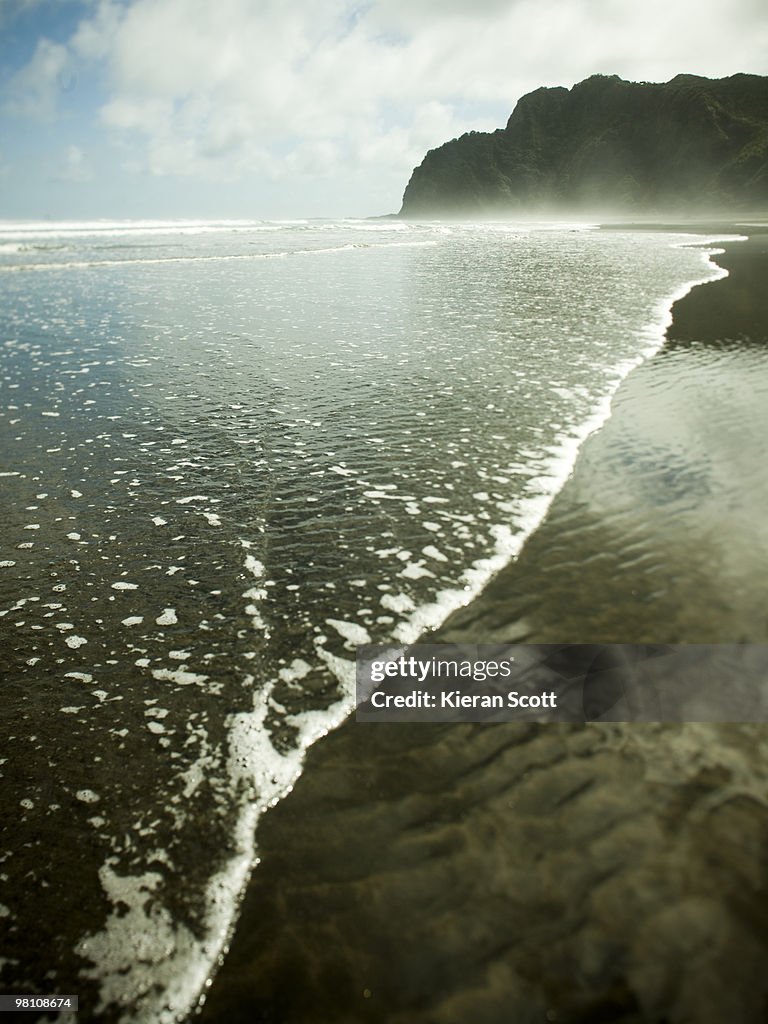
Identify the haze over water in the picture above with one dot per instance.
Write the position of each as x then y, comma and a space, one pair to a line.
232, 452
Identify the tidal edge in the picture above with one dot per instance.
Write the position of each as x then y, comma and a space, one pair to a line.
524, 872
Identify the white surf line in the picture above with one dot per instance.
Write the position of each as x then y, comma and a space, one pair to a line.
532, 509
37, 229
144, 955
657, 332
85, 264
174, 968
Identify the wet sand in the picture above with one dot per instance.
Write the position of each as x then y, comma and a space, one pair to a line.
522, 873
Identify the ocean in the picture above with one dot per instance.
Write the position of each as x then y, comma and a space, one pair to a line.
232, 451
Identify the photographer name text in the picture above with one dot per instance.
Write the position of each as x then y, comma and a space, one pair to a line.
456, 699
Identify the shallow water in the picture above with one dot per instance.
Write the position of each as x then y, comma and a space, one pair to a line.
231, 453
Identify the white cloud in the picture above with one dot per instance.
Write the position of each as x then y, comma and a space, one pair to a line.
95, 35
34, 90
212, 88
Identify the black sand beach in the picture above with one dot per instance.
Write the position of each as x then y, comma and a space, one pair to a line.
524, 873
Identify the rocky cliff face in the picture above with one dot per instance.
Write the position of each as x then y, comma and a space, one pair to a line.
606, 145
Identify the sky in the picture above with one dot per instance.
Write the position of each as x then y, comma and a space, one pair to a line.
304, 108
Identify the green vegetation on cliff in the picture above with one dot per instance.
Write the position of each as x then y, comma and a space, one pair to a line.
689, 145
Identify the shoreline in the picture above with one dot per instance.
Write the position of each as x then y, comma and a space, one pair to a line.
254, 976
728, 313
432, 617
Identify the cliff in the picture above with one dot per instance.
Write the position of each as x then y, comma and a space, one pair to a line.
606, 145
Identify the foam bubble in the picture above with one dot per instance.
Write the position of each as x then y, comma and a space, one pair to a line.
254, 566
351, 631
177, 675
87, 796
